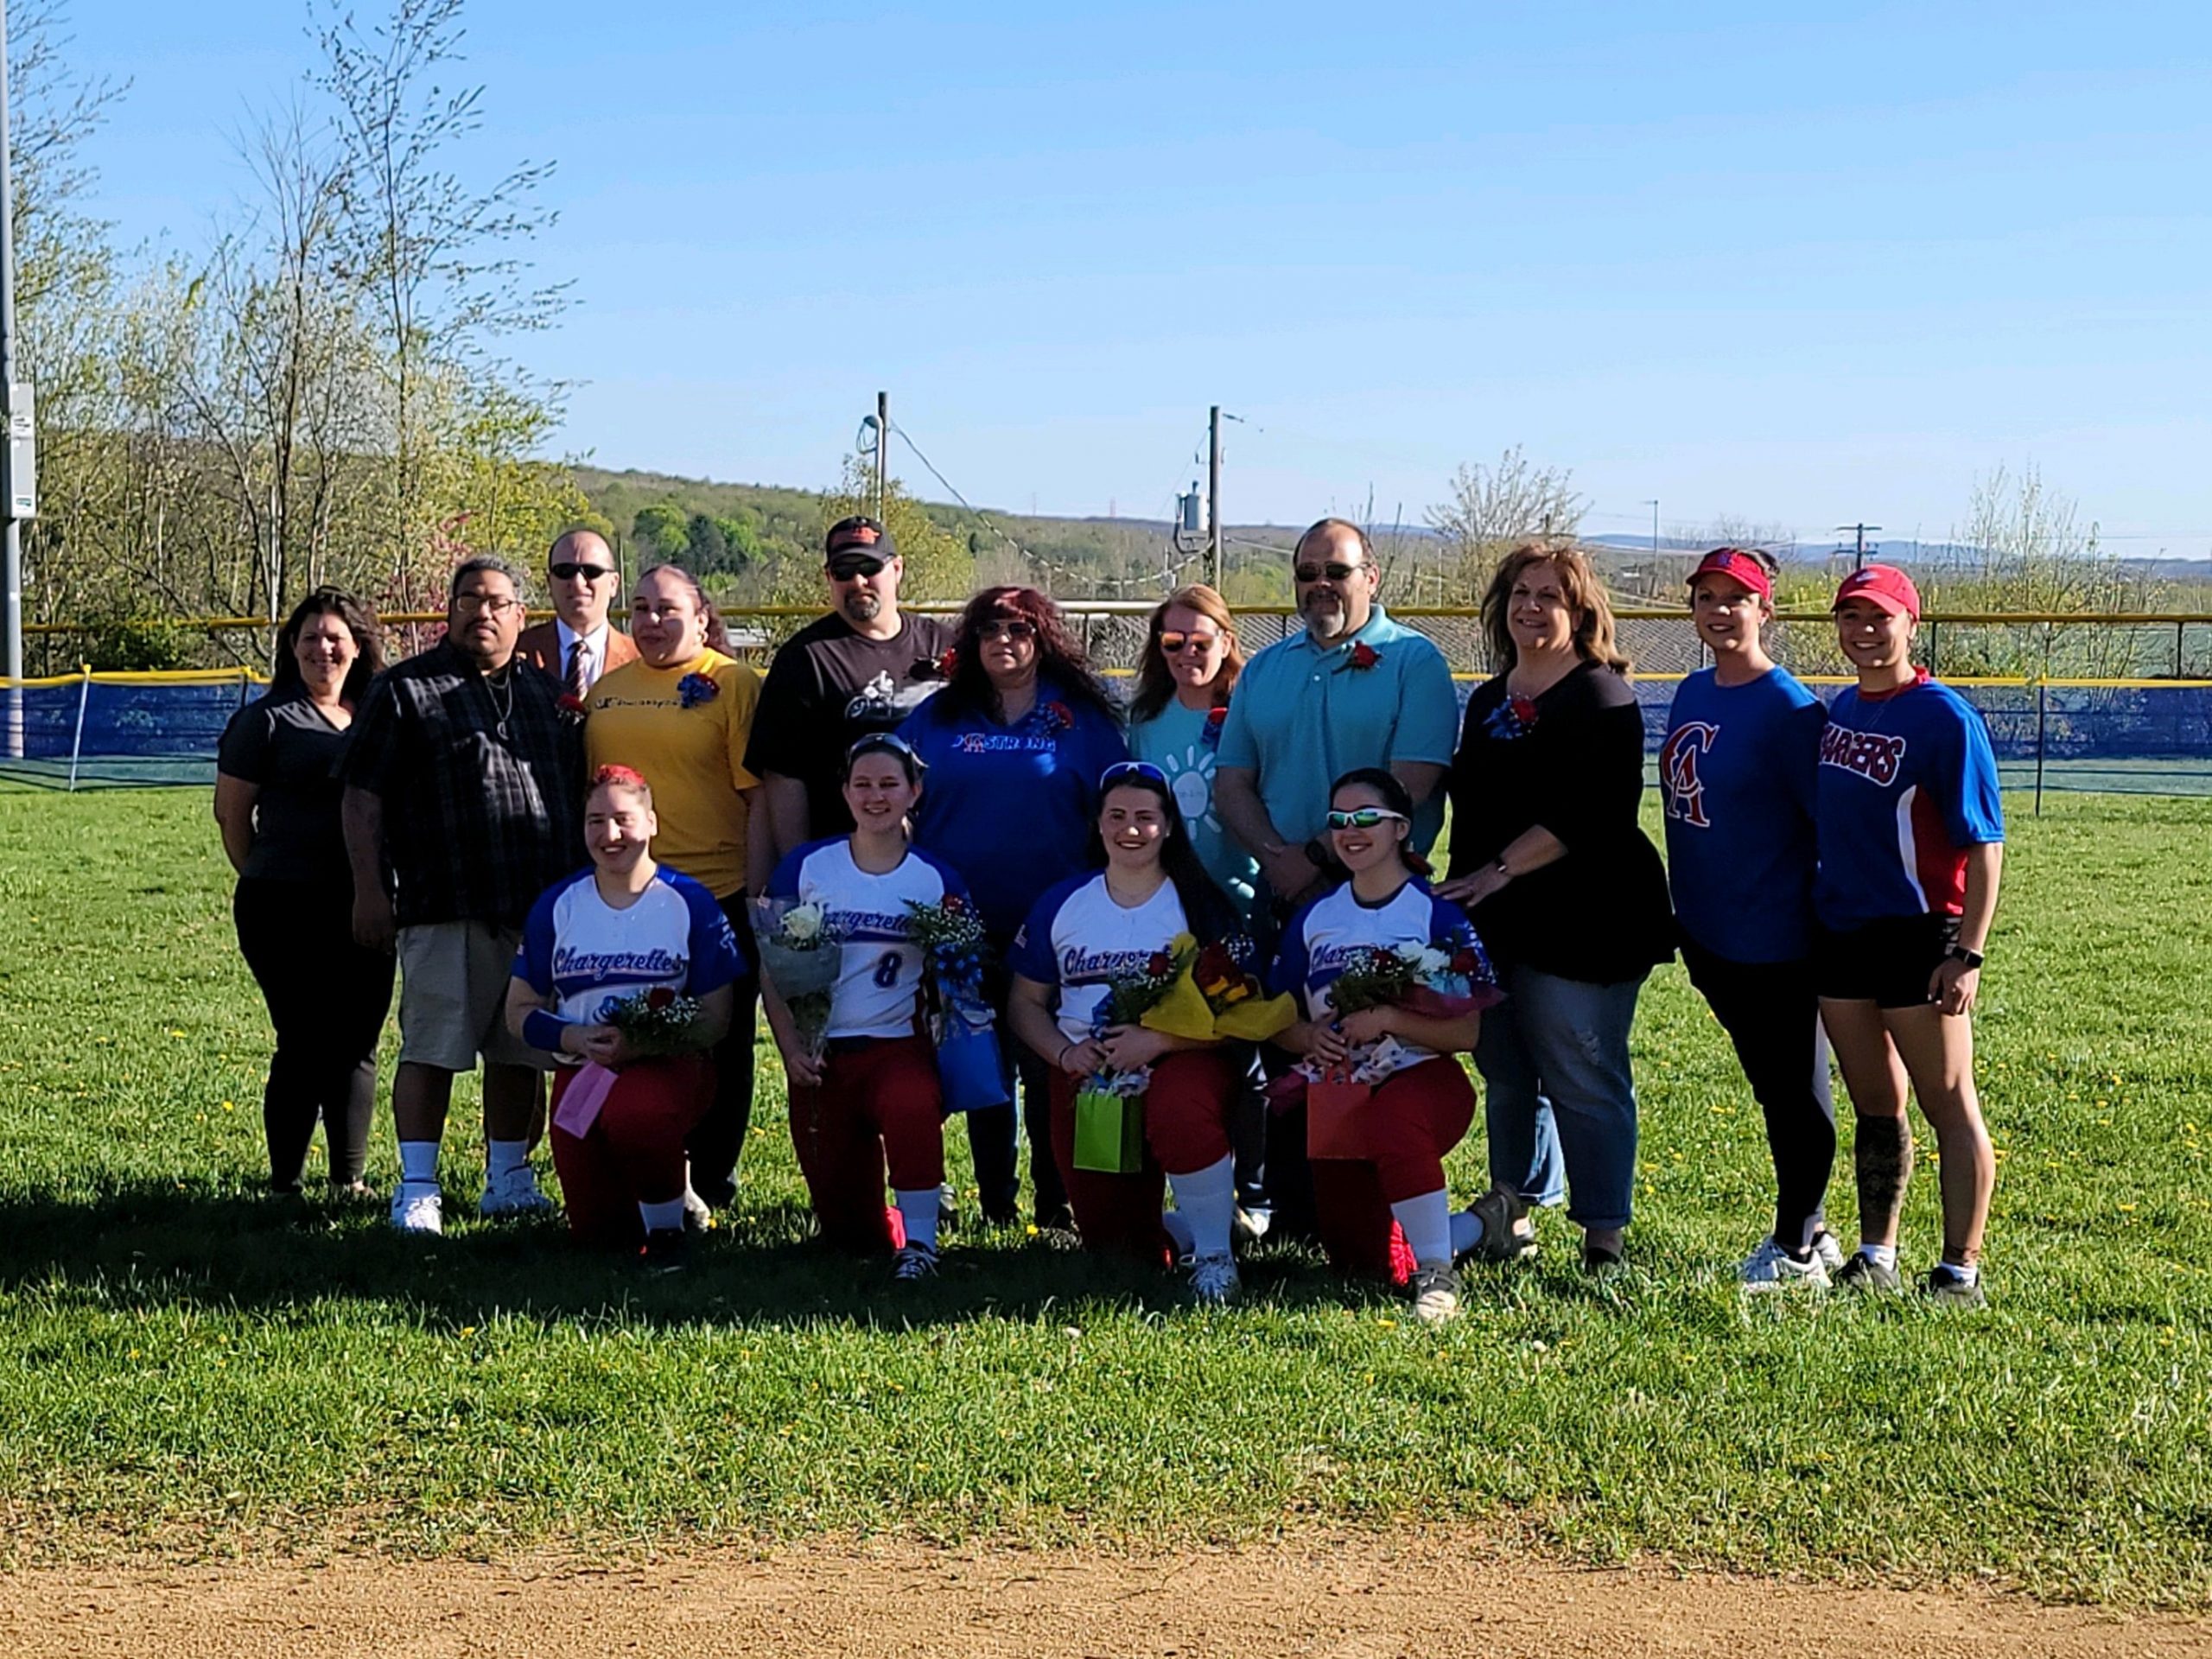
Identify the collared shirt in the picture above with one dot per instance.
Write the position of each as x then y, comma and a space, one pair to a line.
594, 643
1305, 715
477, 823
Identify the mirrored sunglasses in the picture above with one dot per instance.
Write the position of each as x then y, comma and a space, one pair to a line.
1364, 817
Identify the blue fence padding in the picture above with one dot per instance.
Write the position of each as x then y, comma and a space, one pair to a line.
2143, 739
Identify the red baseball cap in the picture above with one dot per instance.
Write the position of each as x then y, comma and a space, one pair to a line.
1883, 585
1738, 566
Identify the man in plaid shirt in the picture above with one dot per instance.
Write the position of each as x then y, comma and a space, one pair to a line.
463, 780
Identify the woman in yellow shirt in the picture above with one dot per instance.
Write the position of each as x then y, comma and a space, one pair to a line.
681, 715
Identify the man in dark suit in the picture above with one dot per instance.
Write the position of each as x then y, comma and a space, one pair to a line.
579, 644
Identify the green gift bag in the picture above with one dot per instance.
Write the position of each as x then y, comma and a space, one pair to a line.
1109, 1132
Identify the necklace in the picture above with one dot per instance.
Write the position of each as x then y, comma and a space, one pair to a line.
501, 708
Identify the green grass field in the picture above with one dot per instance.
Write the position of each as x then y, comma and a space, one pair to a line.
189, 1368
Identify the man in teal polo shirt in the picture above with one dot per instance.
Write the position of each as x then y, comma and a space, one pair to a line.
1354, 689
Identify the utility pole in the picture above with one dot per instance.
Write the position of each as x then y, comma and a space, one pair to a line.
1860, 532
20, 503
882, 446
1213, 498
1654, 527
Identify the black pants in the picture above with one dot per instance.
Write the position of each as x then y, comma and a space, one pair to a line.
326, 998
993, 1142
1771, 1015
719, 1139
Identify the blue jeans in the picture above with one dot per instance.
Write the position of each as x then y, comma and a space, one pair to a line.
1559, 1102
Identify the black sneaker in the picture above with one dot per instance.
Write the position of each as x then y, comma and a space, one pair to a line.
1864, 1273
666, 1250
913, 1264
1945, 1286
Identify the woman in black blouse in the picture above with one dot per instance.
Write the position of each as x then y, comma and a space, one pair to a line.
1564, 887
276, 800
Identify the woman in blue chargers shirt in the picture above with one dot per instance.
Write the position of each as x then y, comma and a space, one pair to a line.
1737, 771
1014, 746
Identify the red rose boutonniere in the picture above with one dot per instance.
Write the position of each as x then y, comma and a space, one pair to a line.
1052, 718
1362, 656
1210, 733
572, 705
946, 662
695, 688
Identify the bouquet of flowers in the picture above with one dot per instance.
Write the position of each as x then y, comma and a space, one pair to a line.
799, 954
654, 1023
970, 1068
951, 934
1443, 980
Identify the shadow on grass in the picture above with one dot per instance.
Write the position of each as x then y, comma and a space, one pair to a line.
151, 1246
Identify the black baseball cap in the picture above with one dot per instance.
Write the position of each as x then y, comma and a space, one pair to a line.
860, 536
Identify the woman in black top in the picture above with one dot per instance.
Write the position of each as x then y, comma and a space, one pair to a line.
1564, 887
276, 800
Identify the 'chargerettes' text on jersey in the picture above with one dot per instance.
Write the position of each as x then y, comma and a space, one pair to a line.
1077, 938
587, 956
1908, 782
879, 964
1329, 934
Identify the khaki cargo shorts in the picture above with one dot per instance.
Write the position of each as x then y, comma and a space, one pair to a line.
453, 997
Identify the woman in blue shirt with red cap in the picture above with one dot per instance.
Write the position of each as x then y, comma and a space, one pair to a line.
1912, 834
1736, 773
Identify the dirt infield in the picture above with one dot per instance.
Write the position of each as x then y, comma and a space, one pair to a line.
1351, 1597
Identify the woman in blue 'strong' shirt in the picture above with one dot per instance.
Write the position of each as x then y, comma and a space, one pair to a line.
1911, 837
1736, 772
1014, 747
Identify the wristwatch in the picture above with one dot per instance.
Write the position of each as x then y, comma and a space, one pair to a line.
1959, 953
1318, 855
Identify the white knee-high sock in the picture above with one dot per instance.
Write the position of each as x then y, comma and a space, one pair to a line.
1427, 1223
1466, 1232
919, 1210
1207, 1198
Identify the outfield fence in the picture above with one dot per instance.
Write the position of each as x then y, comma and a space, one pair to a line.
2146, 731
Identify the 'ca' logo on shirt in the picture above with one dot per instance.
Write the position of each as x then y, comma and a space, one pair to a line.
1681, 766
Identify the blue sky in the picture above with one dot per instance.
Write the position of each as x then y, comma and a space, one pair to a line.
1794, 263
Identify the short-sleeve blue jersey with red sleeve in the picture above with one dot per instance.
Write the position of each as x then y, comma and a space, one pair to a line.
1908, 782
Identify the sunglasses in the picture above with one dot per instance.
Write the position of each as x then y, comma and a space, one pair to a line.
1175, 644
1334, 570
1120, 769
1364, 817
1016, 629
846, 569
569, 570
881, 743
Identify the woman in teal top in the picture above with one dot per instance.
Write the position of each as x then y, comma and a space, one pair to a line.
1190, 666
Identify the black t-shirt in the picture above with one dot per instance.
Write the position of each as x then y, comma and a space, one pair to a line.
1570, 760
828, 686
287, 745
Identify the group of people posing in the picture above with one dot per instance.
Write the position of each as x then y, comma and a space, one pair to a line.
1833, 875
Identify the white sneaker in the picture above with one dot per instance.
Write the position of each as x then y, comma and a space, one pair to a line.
418, 1210
1772, 1268
1436, 1295
1213, 1280
514, 1193
1827, 1251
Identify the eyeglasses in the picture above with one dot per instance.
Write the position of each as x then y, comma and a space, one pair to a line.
1364, 817
485, 604
1334, 570
846, 569
1120, 769
1175, 644
569, 570
1007, 628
